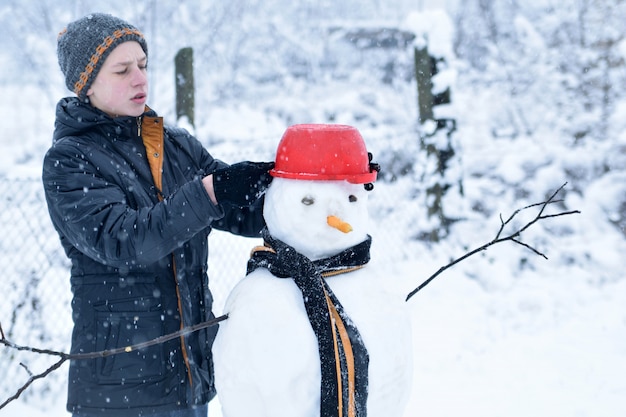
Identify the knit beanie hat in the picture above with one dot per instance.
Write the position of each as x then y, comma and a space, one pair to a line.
84, 45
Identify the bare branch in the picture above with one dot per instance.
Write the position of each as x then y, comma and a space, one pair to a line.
92, 355
26, 369
513, 237
32, 379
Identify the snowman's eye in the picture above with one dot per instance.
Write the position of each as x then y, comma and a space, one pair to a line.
308, 200
352, 198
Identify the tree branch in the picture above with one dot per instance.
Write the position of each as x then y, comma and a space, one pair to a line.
513, 237
32, 379
92, 355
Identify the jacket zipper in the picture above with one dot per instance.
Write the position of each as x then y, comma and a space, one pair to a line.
183, 344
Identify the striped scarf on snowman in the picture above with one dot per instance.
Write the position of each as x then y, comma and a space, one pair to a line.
343, 356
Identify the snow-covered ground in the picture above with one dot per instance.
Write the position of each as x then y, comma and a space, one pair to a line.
503, 334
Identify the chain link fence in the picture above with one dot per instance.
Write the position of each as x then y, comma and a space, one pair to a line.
35, 307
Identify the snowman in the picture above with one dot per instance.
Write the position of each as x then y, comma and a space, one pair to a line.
314, 329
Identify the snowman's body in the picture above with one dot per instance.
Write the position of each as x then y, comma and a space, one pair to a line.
266, 353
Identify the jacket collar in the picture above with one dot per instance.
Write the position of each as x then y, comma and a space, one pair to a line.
75, 117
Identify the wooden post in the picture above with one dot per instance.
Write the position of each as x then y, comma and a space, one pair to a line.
437, 147
185, 100
423, 75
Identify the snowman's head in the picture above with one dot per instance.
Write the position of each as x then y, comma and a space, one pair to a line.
317, 202
318, 218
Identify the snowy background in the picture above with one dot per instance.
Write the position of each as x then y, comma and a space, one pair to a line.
538, 96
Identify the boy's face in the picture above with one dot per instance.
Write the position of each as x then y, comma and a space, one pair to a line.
121, 86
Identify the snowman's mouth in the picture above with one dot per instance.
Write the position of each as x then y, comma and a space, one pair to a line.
337, 223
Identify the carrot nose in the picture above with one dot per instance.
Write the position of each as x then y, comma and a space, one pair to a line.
337, 223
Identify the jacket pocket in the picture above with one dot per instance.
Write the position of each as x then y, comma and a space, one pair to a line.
117, 329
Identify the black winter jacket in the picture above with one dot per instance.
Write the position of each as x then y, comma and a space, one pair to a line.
139, 257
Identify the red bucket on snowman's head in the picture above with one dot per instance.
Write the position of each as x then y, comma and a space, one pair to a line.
323, 152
